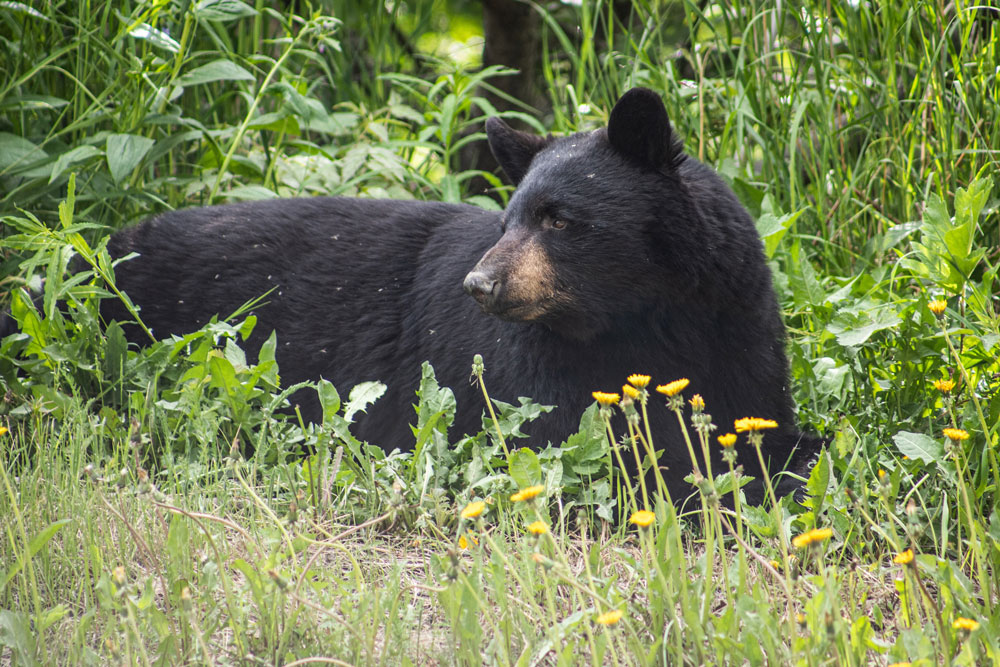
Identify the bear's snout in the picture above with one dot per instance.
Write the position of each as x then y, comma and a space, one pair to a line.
480, 287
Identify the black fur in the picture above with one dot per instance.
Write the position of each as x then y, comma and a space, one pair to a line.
617, 254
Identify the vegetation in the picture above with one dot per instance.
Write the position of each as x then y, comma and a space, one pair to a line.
157, 505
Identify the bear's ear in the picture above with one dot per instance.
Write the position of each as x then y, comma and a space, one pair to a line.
514, 150
640, 130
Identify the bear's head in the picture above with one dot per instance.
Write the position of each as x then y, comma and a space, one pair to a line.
601, 225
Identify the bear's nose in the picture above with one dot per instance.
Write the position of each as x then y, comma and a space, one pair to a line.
480, 286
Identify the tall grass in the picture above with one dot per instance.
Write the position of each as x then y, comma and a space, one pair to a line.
158, 507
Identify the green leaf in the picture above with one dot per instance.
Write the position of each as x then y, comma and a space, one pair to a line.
217, 70
177, 537
853, 330
223, 10
362, 395
36, 544
124, 152
17, 151
70, 158
919, 446
818, 483
525, 468
434, 400
155, 37
329, 399
17, 635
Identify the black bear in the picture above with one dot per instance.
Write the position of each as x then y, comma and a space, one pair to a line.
617, 254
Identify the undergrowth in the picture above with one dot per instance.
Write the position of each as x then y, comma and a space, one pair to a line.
165, 505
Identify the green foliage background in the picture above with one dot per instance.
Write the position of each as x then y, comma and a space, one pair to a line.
863, 138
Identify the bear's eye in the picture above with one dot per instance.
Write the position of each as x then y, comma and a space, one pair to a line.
550, 222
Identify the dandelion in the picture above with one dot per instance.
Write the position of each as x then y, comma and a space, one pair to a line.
967, 624
631, 392
610, 617
605, 399
814, 536
944, 386
775, 564
697, 403
754, 424
881, 474
903, 558
473, 509
538, 528
527, 493
3, 430
937, 306
463, 541
642, 518
639, 381
673, 388
727, 440
956, 434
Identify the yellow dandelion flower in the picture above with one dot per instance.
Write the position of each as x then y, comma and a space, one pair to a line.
630, 391
538, 528
473, 509
639, 381
642, 518
754, 424
881, 474
937, 306
956, 434
800, 619
697, 402
610, 617
775, 564
464, 542
727, 440
944, 386
3, 430
527, 493
673, 388
814, 536
606, 399
962, 623
903, 558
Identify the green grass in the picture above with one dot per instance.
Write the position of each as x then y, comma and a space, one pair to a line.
156, 505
